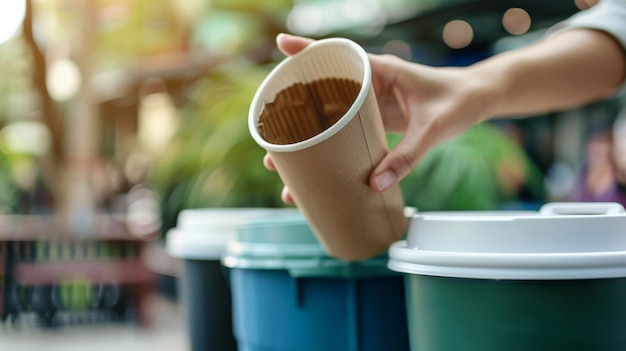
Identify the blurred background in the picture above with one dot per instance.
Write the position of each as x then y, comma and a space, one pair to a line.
117, 114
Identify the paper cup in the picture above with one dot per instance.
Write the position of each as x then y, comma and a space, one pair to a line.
327, 172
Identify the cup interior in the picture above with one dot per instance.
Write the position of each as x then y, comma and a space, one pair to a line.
304, 110
308, 97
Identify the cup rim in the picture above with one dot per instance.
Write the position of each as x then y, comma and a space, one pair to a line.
253, 116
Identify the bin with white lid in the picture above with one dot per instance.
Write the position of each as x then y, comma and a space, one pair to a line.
290, 295
199, 239
548, 280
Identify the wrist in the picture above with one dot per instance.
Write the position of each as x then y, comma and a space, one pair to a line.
487, 88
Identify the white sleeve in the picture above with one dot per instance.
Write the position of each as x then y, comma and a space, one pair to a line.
608, 16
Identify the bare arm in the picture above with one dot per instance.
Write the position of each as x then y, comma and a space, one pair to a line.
431, 105
565, 70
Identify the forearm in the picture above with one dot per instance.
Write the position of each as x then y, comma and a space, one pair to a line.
563, 71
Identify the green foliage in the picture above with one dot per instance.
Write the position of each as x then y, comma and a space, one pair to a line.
16, 101
16, 88
8, 188
479, 170
213, 161
137, 28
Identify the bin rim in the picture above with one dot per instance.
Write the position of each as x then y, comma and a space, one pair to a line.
560, 241
204, 233
509, 266
288, 243
196, 246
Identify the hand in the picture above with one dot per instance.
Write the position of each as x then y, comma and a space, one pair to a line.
428, 105
431, 105
284, 195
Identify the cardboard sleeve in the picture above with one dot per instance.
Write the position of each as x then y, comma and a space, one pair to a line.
327, 174
329, 183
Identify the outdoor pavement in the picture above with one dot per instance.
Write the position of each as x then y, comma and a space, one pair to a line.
166, 331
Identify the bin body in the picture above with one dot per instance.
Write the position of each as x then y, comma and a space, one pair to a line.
274, 311
289, 295
207, 298
516, 315
547, 280
199, 240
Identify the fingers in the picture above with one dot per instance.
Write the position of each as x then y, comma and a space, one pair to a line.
291, 44
393, 168
285, 195
268, 163
400, 161
388, 75
401, 92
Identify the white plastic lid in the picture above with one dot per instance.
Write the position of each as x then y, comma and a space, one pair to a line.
205, 233
561, 241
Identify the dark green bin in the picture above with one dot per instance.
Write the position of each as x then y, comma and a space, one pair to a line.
199, 240
553, 280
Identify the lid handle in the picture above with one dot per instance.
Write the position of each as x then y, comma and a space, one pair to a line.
582, 208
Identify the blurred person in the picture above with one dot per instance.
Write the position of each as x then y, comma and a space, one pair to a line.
599, 178
619, 148
580, 60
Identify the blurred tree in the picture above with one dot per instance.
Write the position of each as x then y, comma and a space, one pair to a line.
51, 116
129, 30
212, 161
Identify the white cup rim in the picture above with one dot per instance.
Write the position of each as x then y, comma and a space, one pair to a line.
255, 108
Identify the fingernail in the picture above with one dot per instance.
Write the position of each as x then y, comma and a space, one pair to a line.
385, 180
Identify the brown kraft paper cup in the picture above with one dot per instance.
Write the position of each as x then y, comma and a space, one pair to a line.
327, 174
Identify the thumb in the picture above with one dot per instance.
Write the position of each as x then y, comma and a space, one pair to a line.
291, 44
399, 162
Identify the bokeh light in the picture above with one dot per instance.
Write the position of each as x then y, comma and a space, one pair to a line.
458, 34
63, 79
516, 21
26, 138
158, 118
398, 48
318, 18
12, 14
143, 217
